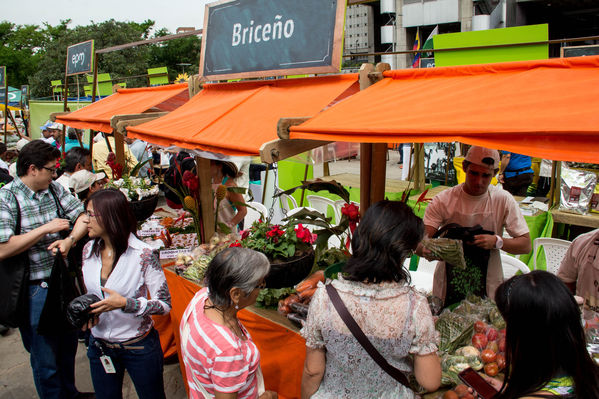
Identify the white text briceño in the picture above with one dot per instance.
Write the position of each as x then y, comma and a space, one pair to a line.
262, 33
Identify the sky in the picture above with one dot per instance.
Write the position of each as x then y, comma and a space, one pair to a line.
166, 14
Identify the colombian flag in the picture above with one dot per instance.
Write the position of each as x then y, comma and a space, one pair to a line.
416, 62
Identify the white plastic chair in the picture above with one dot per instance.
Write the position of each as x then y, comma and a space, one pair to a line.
511, 266
285, 200
322, 204
555, 250
260, 212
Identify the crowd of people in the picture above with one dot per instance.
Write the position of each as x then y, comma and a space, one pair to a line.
545, 342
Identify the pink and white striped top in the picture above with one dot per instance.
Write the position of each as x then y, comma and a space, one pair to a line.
215, 358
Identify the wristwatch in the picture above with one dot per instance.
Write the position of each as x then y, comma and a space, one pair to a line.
499, 242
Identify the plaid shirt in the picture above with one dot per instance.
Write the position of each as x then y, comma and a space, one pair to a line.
37, 209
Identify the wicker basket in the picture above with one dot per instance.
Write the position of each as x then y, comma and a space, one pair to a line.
290, 272
143, 209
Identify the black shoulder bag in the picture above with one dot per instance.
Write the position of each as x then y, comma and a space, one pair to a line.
62, 289
357, 332
14, 284
473, 279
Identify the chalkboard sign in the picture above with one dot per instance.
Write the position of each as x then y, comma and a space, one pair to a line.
427, 63
258, 38
579, 51
2, 77
80, 58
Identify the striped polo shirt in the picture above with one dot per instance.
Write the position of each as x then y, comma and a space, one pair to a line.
214, 356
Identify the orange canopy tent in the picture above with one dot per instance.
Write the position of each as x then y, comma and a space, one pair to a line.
96, 116
545, 108
237, 118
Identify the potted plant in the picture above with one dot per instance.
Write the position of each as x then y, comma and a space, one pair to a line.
288, 247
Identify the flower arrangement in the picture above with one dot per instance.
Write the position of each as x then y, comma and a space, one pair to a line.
188, 194
276, 241
134, 188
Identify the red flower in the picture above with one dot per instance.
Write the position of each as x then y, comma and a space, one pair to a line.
235, 244
190, 181
117, 168
275, 233
352, 212
244, 234
304, 234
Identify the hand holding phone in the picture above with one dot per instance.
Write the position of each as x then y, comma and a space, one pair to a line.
474, 380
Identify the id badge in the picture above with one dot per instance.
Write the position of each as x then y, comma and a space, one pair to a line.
107, 364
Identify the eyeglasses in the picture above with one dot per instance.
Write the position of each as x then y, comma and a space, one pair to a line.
90, 214
262, 285
51, 170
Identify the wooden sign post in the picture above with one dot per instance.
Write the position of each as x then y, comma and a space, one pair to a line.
80, 59
258, 38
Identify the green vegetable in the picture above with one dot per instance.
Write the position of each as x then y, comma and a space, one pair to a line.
269, 297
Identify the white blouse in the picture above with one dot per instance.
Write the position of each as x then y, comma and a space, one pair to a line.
137, 273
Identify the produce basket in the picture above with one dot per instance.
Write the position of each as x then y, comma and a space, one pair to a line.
143, 209
290, 271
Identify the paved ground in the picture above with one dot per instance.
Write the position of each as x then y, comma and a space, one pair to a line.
16, 381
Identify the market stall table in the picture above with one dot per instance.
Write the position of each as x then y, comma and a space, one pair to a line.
282, 349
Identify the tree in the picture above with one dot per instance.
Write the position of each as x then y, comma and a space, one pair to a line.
110, 33
20, 51
177, 51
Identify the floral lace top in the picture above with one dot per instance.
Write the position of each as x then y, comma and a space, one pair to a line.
394, 317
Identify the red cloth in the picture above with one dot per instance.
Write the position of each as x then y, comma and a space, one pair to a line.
282, 351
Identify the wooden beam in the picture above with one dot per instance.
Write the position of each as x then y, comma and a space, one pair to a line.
277, 150
194, 85
120, 122
53, 115
365, 174
378, 172
150, 41
419, 166
206, 199
284, 124
119, 149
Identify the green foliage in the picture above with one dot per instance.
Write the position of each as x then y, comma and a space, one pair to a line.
20, 51
36, 55
269, 297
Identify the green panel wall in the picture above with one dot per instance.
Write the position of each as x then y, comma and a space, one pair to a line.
39, 113
519, 34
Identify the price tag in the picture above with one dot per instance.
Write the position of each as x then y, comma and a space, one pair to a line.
172, 253
149, 232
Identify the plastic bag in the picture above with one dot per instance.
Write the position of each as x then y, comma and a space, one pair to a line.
78, 309
576, 188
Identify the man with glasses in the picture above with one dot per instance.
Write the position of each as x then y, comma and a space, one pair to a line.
476, 202
46, 210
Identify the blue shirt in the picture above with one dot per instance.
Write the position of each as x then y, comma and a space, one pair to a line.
518, 162
70, 143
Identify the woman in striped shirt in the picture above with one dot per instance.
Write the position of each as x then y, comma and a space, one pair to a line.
221, 361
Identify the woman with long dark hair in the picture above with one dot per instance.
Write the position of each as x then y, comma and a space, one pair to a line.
121, 270
395, 317
546, 353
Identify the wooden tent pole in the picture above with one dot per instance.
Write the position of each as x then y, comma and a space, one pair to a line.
206, 199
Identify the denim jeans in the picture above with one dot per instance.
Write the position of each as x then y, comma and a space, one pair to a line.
52, 358
144, 364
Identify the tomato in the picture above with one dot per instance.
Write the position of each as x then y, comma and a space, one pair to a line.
468, 396
461, 390
492, 334
450, 395
502, 332
488, 356
500, 361
491, 369
501, 345
479, 341
480, 327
